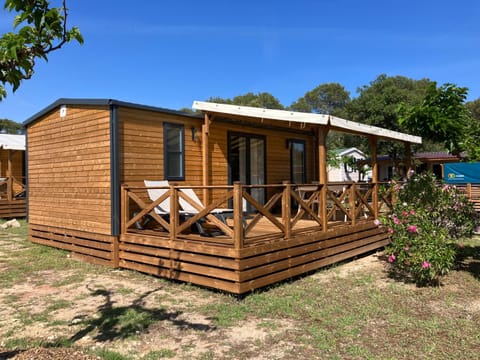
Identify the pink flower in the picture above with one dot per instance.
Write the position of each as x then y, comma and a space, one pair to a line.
405, 213
426, 265
391, 258
407, 248
396, 221
390, 230
412, 212
412, 229
376, 222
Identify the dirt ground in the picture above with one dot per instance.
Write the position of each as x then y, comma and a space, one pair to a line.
183, 330
54, 306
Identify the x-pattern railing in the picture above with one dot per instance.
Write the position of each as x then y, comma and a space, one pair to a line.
353, 202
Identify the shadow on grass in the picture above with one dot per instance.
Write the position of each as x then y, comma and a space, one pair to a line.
126, 321
111, 323
468, 259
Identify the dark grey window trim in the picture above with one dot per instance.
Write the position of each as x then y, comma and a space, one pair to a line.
303, 143
166, 171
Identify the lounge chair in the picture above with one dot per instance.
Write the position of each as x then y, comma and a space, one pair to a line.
157, 189
220, 213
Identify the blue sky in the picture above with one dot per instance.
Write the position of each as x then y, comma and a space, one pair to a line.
170, 53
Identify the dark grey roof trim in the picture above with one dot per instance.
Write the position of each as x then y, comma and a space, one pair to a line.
105, 102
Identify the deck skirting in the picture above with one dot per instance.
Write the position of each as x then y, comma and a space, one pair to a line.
90, 247
13, 208
251, 268
212, 265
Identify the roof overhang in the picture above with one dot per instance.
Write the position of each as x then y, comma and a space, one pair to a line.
335, 123
12, 142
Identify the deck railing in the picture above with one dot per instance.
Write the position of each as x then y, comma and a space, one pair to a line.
12, 188
288, 209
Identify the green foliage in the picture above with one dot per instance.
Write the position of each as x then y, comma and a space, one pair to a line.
419, 249
40, 29
261, 100
474, 108
11, 127
442, 115
331, 98
377, 105
423, 222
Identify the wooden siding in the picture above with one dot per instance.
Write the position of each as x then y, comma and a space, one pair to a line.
141, 149
17, 163
69, 170
141, 146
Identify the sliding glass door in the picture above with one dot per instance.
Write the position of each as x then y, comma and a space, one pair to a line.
246, 161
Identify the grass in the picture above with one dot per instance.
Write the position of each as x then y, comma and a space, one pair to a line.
330, 315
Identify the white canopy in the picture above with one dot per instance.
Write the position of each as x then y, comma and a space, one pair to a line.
305, 118
12, 142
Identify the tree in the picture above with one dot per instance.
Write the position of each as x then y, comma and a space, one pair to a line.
442, 116
330, 98
377, 104
261, 100
11, 127
474, 108
40, 30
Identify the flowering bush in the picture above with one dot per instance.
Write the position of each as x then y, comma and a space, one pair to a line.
419, 249
422, 224
448, 207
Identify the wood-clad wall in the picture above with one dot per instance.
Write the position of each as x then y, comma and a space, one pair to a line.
141, 148
69, 170
17, 163
277, 153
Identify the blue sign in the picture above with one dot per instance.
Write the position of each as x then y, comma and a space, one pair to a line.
462, 173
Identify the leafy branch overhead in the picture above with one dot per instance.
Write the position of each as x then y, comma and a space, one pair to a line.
39, 29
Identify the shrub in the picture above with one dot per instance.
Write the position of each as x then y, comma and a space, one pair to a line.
447, 206
423, 222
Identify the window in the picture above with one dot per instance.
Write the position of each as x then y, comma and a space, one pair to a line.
297, 161
174, 151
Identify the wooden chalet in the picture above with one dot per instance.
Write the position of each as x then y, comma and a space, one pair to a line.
88, 159
12, 176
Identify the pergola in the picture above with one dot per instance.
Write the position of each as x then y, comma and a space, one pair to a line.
321, 124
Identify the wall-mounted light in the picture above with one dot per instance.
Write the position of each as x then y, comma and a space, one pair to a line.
194, 133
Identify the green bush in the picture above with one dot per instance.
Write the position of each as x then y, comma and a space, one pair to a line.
424, 222
448, 207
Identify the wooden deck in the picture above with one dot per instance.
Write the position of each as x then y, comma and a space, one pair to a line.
12, 198
290, 234
287, 236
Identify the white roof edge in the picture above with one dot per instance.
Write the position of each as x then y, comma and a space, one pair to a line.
308, 118
12, 142
373, 130
261, 113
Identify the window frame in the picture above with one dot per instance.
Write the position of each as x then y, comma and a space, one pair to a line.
167, 126
302, 142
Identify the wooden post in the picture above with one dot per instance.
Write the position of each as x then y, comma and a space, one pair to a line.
174, 214
322, 173
238, 233
287, 209
174, 209
408, 159
206, 157
373, 150
351, 205
124, 209
9, 176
